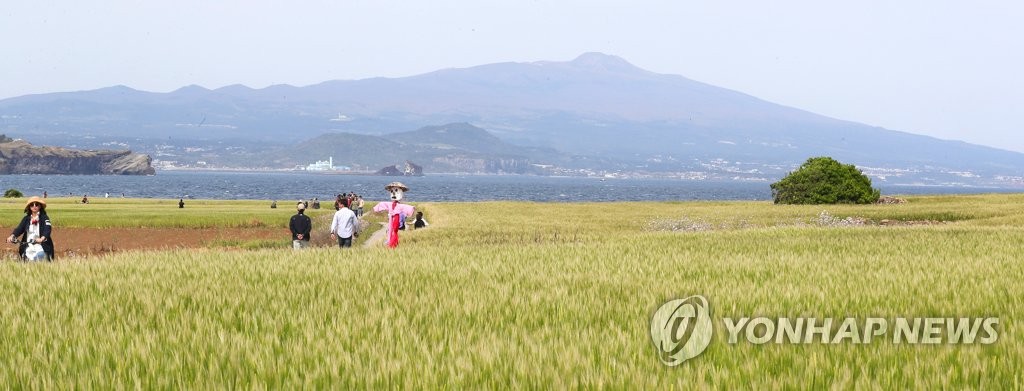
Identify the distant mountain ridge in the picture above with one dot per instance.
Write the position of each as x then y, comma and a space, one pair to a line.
596, 106
457, 147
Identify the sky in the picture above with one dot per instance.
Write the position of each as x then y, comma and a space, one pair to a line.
947, 69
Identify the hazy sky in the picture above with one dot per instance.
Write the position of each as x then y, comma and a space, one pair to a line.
949, 69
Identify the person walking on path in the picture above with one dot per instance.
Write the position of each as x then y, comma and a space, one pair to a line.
345, 225
300, 225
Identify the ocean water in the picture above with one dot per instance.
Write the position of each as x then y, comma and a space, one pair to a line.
294, 186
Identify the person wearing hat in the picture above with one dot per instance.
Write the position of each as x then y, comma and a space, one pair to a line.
35, 230
300, 225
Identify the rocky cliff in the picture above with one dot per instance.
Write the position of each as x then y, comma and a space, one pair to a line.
20, 157
486, 165
411, 169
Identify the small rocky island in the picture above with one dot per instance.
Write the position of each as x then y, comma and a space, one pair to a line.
20, 157
411, 169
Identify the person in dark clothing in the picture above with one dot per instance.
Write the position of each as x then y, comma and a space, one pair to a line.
300, 225
420, 221
34, 229
181, 203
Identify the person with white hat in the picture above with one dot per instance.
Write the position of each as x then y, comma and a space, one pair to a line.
300, 225
35, 231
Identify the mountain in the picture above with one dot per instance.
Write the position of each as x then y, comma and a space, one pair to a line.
596, 106
456, 147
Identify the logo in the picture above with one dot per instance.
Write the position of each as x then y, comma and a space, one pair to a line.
681, 329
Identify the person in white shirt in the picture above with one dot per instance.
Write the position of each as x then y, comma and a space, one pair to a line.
345, 225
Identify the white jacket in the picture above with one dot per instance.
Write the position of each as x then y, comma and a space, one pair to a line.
345, 223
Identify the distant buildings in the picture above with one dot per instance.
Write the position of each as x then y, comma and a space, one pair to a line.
325, 165
322, 165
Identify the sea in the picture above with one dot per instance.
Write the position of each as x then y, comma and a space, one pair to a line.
230, 185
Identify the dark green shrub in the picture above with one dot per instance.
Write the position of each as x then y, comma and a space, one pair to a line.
13, 193
822, 180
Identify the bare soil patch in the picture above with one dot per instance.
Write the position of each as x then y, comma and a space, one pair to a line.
84, 242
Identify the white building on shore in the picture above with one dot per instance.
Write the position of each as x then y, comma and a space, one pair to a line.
322, 165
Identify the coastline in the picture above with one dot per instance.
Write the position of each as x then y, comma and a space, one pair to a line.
257, 184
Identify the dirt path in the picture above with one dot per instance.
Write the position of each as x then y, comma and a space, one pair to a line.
377, 238
87, 242
81, 242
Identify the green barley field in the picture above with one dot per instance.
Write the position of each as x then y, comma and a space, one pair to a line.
520, 295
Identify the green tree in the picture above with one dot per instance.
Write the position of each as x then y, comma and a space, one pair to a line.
13, 193
823, 180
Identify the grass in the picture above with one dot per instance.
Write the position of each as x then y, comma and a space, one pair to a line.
527, 295
198, 214
134, 213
